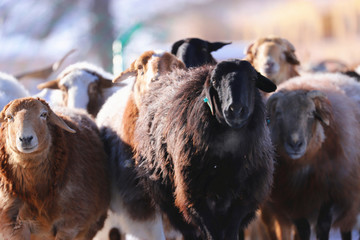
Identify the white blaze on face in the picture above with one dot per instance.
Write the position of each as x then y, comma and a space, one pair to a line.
269, 57
150, 72
77, 83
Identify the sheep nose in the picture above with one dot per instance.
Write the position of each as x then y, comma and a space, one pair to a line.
238, 110
296, 145
26, 140
269, 63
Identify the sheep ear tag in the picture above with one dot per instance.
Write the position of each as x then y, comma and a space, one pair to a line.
206, 100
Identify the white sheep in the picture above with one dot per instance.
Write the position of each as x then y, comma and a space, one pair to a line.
10, 89
83, 85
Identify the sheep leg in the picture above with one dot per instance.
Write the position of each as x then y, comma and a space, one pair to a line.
303, 228
241, 234
269, 221
346, 235
324, 222
188, 231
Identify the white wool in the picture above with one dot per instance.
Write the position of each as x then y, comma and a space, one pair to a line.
151, 229
158, 53
87, 67
115, 105
357, 70
52, 96
77, 82
10, 89
77, 78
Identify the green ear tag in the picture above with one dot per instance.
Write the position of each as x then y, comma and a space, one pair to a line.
206, 100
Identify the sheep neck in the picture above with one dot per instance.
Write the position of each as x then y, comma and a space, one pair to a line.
34, 185
131, 114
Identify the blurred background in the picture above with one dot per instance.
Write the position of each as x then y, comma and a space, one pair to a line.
35, 33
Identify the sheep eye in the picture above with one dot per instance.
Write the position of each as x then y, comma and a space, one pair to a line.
92, 88
44, 115
9, 118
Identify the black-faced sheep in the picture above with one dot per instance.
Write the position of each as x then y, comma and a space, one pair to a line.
314, 124
84, 85
54, 184
195, 52
274, 58
203, 149
132, 210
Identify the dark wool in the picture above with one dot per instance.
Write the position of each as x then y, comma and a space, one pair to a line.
207, 177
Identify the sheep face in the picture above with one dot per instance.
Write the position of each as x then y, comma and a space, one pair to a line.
27, 120
270, 56
232, 91
81, 88
147, 68
296, 118
195, 52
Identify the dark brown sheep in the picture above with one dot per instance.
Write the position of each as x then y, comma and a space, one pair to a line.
315, 128
54, 182
207, 165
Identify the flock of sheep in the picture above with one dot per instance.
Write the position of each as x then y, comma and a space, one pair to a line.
179, 146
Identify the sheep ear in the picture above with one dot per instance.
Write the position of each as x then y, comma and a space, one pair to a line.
217, 45
55, 119
106, 83
176, 45
265, 84
130, 72
290, 52
322, 106
248, 53
53, 84
2, 114
271, 102
210, 98
291, 58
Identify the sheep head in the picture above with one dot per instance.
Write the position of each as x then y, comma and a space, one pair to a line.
27, 122
195, 52
295, 118
147, 68
230, 91
271, 57
82, 85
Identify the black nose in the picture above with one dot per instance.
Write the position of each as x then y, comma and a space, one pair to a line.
269, 64
296, 145
26, 140
238, 111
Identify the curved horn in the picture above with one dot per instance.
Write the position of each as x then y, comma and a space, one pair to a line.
45, 72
